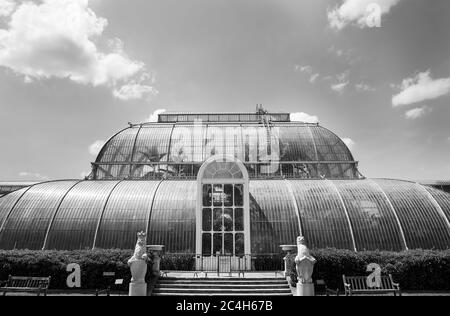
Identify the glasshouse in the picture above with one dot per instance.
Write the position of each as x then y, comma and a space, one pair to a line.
234, 184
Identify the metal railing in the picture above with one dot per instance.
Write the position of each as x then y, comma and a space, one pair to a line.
222, 264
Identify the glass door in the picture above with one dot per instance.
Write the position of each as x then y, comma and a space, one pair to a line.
223, 220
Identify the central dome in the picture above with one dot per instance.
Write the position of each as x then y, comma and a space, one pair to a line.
178, 145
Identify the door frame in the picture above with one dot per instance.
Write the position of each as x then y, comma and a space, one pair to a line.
199, 208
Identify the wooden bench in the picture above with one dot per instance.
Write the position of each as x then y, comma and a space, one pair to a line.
358, 285
25, 285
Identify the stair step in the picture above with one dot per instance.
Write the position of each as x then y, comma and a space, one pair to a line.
256, 281
174, 290
170, 286
220, 294
223, 286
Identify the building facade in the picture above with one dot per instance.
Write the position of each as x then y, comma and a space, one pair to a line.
234, 184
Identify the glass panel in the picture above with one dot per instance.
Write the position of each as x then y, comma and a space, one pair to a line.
207, 201
274, 220
206, 244
239, 220
228, 220
217, 195
218, 224
27, 224
422, 224
238, 195
228, 195
217, 243
172, 221
322, 215
239, 250
206, 219
228, 244
372, 218
125, 214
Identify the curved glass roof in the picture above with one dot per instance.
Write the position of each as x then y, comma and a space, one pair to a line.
348, 214
139, 150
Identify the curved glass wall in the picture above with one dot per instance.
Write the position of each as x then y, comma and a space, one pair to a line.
76, 221
172, 219
443, 199
127, 212
70, 215
7, 202
27, 224
322, 214
372, 218
421, 221
273, 216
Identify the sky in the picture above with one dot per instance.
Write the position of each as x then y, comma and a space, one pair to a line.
75, 72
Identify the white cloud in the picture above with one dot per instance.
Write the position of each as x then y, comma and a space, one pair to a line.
304, 117
339, 87
417, 113
362, 87
304, 69
349, 142
358, 12
95, 148
154, 117
6, 7
58, 38
314, 78
133, 91
33, 176
420, 88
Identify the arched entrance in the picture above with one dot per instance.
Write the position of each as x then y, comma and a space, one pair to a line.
223, 215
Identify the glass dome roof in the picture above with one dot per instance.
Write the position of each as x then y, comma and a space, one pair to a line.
179, 149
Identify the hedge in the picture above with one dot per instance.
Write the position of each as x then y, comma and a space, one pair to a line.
416, 270
54, 264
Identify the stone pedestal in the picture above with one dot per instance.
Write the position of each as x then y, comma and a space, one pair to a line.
289, 249
306, 289
138, 289
155, 252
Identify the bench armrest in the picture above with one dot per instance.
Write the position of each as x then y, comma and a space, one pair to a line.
347, 286
100, 292
331, 292
396, 286
3, 283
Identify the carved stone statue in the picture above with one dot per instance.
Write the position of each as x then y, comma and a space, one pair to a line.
138, 267
304, 263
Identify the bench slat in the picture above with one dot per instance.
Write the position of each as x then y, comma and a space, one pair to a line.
359, 284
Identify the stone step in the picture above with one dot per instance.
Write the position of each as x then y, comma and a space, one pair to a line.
224, 281
220, 294
219, 291
181, 294
221, 286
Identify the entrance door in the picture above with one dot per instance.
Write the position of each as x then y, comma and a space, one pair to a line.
223, 226
223, 220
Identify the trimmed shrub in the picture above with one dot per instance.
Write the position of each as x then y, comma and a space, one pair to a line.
176, 262
416, 270
54, 264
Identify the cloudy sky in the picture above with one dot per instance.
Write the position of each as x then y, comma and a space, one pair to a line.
74, 72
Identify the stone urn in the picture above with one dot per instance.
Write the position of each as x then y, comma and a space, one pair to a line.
289, 249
